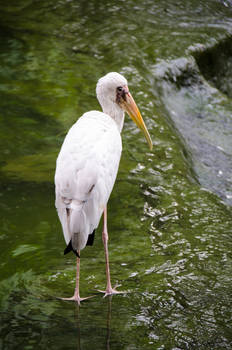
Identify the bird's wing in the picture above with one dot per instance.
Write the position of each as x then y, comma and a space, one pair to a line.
85, 174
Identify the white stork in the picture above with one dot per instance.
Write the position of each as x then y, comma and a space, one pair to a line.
87, 167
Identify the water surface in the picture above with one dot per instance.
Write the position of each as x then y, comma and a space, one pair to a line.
169, 215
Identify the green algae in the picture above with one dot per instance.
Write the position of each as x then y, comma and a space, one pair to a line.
170, 237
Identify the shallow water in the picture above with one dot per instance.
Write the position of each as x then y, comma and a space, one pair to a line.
169, 215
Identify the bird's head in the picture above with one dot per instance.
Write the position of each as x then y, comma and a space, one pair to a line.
113, 93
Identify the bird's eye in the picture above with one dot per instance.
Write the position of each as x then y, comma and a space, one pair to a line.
119, 88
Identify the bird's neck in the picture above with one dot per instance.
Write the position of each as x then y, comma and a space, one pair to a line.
117, 114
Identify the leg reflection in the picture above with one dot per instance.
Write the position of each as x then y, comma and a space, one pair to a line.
78, 329
108, 324
109, 300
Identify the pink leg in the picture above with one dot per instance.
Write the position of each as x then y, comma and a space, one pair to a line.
76, 297
109, 290
105, 238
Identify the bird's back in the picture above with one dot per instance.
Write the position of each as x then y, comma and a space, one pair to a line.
86, 170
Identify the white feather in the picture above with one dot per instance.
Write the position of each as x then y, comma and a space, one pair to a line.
87, 164
86, 170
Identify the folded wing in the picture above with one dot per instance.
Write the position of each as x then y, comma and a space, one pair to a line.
85, 174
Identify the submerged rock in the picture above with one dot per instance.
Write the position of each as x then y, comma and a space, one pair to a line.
202, 115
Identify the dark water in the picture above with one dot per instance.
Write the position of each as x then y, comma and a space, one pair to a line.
169, 213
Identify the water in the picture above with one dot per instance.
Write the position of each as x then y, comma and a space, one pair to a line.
169, 215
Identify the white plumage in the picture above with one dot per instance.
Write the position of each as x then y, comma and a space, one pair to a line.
87, 167
86, 171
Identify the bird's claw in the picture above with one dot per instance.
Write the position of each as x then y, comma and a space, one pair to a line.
111, 291
77, 299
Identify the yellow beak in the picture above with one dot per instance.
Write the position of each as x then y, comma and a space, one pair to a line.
129, 105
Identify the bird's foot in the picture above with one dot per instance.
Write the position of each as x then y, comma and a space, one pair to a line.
77, 298
111, 291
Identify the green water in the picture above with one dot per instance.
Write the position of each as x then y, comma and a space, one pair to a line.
169, 218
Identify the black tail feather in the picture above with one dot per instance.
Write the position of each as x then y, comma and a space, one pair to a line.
91, 238
69, 248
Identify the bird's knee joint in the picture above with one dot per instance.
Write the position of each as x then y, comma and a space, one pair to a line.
105, 236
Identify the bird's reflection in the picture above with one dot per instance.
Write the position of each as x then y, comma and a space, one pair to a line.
78, 329
108, 324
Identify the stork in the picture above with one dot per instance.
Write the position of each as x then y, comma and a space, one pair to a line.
87, 167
